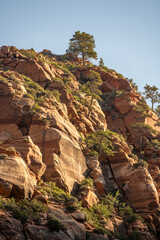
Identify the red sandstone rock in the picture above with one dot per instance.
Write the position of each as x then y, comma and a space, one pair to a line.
89, 198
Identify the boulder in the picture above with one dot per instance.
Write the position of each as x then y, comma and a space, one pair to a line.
64, 160
31, 155
74, 229
10, 228
35, 71
89, 198
19, 183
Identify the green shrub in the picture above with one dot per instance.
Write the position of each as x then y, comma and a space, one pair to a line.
88, 182
99, 230
141, 163
56, 94
30, 53
55, 225
155, 143
22, 215
72, 208
59, 195
112, 70
24, 209
100, 141
128, 213
3, 80
134, 85
3, 156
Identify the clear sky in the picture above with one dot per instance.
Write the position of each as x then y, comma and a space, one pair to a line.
126, 32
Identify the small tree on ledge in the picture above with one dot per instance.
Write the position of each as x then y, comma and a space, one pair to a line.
151, 93
101, 63
141, 129
84, 44
91, 88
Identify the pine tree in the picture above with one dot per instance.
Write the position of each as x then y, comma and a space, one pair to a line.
84, 44
141, 129
151, 93
101, 63
100, 142
91, 88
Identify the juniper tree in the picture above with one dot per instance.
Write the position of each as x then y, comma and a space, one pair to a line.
84, 44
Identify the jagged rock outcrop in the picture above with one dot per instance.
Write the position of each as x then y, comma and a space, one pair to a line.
40, 138
59, 142
15, 180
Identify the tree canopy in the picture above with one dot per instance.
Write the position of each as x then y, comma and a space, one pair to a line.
151, 93
84, 44
100, 142
101, 63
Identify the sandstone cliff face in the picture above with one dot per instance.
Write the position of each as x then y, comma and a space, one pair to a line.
41, 138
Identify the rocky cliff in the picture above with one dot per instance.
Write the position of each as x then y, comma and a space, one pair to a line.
47, 166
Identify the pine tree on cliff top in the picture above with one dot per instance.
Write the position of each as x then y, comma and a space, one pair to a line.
84, 44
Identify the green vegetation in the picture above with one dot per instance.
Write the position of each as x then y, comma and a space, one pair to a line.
37, 93
3, 80
155, 143
141, 129
24, 210
88, 182
84, 44
55, 225
91, 88
101, 63
57, 194
134, 85
142, 108
3, 156
141, 163
152, 94
157, 111
108, 207
108, 99
106, 69
100, 142
128, 214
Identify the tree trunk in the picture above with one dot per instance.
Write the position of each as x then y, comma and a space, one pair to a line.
90, 107
83, 58
152, 104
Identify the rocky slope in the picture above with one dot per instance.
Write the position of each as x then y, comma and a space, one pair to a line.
43, 123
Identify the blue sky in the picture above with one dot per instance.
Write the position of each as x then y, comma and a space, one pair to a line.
126, 32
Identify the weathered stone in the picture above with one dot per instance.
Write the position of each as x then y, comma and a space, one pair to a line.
5, 49
6, 61
2, 54
78, 216
10, 228
89, 198
75, 230
22, 181
31, 155
62, 156
35, 71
